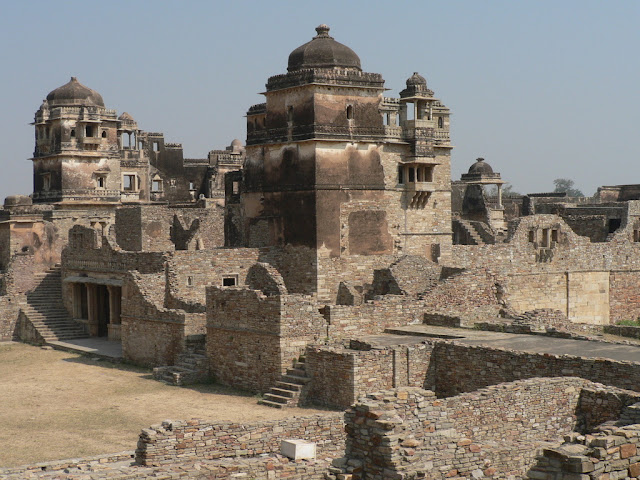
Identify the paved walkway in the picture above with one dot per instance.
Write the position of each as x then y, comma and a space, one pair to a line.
98, 346
525, 343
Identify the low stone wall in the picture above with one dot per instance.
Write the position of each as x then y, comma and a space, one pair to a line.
464, 368
493, 432
612, 454
623, 331
180, 441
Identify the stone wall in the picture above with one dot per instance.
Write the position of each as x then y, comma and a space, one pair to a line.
151, 334
611, 454
493, 432
252, 338
164, 228
464, 368
181, 440
340, 375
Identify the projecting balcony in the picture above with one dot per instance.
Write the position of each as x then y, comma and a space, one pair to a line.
420, 186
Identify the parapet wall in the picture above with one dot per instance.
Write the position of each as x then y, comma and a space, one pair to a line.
180, 441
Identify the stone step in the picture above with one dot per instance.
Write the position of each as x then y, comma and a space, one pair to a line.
269, 403
276, 398
295, 379
297, 372
282, 392
294, 387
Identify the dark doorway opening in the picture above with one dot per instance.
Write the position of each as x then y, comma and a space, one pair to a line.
103, 310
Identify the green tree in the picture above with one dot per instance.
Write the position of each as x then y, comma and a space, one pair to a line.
566, 185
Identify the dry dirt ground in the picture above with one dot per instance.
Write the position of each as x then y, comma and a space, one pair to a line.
58, 405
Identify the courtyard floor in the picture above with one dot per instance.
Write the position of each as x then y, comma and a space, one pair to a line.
57, 405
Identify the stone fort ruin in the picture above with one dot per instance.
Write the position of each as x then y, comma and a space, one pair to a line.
274, 266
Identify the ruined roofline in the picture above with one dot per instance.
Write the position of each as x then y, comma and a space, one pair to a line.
329, 76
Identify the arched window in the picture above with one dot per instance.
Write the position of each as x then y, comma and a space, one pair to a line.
104, 134
290, 114
73, 132
349, 112
440, 122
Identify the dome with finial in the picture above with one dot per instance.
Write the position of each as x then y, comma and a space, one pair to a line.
74, 93
481, 167
415, 80
323, 52
416, 87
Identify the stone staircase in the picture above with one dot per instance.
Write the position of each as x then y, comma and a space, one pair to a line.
192, 366
466, 225
44, 309
287, 391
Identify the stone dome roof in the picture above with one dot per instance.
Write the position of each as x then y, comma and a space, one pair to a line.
74, 93
481, 167
126, 116
323, 52
236, 142
415, 80
17, 200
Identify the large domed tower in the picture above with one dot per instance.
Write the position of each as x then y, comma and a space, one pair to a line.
76, 155
334, 167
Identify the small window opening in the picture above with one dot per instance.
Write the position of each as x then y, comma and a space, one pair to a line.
230, 281
387, 118
400, 174
46, 181
412, 174
235, 188
554, 235
189, 281
100, 181
73, 132
428, 174
349, 112
192, 186
156, 186
290, 114
545, 237
104, 134
440, 122
156, 146
532, 236
420, 174
410, 111
129, 182
636, 235
88, 131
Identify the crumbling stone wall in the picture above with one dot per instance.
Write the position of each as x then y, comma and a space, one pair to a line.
493, 432
181, 440
151, 334
165, 228
612, 453
340, 375
252, 338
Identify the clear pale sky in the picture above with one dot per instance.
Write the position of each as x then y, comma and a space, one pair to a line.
541, 89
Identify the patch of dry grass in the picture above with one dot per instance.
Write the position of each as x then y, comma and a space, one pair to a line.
56, 405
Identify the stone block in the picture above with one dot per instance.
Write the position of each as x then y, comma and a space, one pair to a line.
298, 449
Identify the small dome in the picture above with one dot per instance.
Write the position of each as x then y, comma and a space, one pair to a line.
126, 116
17, 200
481, 167
236, 143
74, 93
323, 52
415, 80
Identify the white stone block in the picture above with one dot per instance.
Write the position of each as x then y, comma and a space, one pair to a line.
298, 449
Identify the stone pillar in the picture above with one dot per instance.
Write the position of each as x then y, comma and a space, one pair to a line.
499, 185
114, 312
92, 308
